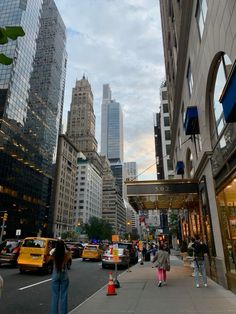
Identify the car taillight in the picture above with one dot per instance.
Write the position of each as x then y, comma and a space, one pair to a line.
15, 250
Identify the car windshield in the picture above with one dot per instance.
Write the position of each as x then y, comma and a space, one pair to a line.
34, 243
123, 245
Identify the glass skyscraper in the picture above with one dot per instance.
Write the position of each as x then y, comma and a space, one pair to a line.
112, 135
31, 104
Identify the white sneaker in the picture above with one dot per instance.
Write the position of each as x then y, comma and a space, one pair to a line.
205, 284
197, 286
164, 283
159, 284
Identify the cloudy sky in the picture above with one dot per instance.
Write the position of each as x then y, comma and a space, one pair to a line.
118, 42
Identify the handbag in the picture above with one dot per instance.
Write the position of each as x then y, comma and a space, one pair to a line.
167, 267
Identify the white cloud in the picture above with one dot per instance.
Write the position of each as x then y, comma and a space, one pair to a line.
118, 42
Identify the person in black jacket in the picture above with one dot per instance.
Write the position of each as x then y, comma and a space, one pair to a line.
200, 249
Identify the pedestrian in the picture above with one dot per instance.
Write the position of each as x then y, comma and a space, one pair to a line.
153, 251
60, 279
144, 251
162, 261
200, 249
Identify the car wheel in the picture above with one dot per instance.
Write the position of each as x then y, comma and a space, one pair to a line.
103, 266
22, 271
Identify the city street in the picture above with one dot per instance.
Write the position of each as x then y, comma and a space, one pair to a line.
31, 292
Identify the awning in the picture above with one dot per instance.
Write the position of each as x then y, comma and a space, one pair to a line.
228, 97
162, 194
191, 123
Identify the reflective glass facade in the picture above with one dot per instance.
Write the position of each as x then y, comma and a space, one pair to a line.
31, 103
114, 132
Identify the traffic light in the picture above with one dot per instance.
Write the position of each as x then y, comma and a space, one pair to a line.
5, 216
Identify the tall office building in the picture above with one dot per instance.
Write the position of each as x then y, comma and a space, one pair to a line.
111, 127
31, 101
88, 191
64, 187
130, 170
112, 135
158, 146
200, 49
165, 133
81, 122
113, 208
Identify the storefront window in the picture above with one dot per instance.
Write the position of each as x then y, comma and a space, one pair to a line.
226, 200
217, 117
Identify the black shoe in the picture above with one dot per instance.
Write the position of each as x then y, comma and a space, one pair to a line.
159, 284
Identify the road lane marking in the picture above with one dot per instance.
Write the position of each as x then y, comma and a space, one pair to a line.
35, 284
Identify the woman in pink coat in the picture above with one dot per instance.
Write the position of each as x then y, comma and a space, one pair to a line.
162, 261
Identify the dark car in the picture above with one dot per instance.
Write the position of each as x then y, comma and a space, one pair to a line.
133, 252
9, 251
76, 249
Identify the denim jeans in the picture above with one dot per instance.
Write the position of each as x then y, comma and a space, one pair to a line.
60, 283
199, 266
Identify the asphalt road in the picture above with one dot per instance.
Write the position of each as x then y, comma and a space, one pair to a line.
31, 292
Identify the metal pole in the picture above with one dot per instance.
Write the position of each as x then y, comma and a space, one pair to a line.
116, 282
2, 231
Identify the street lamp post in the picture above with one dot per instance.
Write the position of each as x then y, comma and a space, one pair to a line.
3, 224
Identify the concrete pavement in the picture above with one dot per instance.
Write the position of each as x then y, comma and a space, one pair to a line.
140, 294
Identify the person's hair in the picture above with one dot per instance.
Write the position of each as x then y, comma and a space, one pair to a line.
161, 246
197, 237
59, 254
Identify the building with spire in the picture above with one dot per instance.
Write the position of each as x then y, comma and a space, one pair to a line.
81, 122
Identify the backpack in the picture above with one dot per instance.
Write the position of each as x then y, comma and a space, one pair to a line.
199, 250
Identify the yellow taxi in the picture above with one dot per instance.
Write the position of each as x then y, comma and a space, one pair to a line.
92, 252
35, 254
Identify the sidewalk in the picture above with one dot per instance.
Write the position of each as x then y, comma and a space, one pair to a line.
139, 294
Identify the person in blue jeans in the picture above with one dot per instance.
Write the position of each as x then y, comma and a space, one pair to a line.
200, 249
60, 279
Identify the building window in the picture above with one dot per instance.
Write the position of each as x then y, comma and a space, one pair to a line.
217, 122
201, 13
168, 149
190, 79
166, 121
169, 165
165, 108
164, 95
167, 135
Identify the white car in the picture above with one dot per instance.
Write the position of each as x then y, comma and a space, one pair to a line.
109, 259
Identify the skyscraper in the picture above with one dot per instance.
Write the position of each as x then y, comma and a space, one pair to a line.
112, 135
111, 127
81, 118
81, 122
130, 170
31, 103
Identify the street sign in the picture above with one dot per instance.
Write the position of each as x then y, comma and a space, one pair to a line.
115, 238
18, 232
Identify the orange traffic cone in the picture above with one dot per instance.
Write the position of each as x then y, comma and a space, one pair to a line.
111, 290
